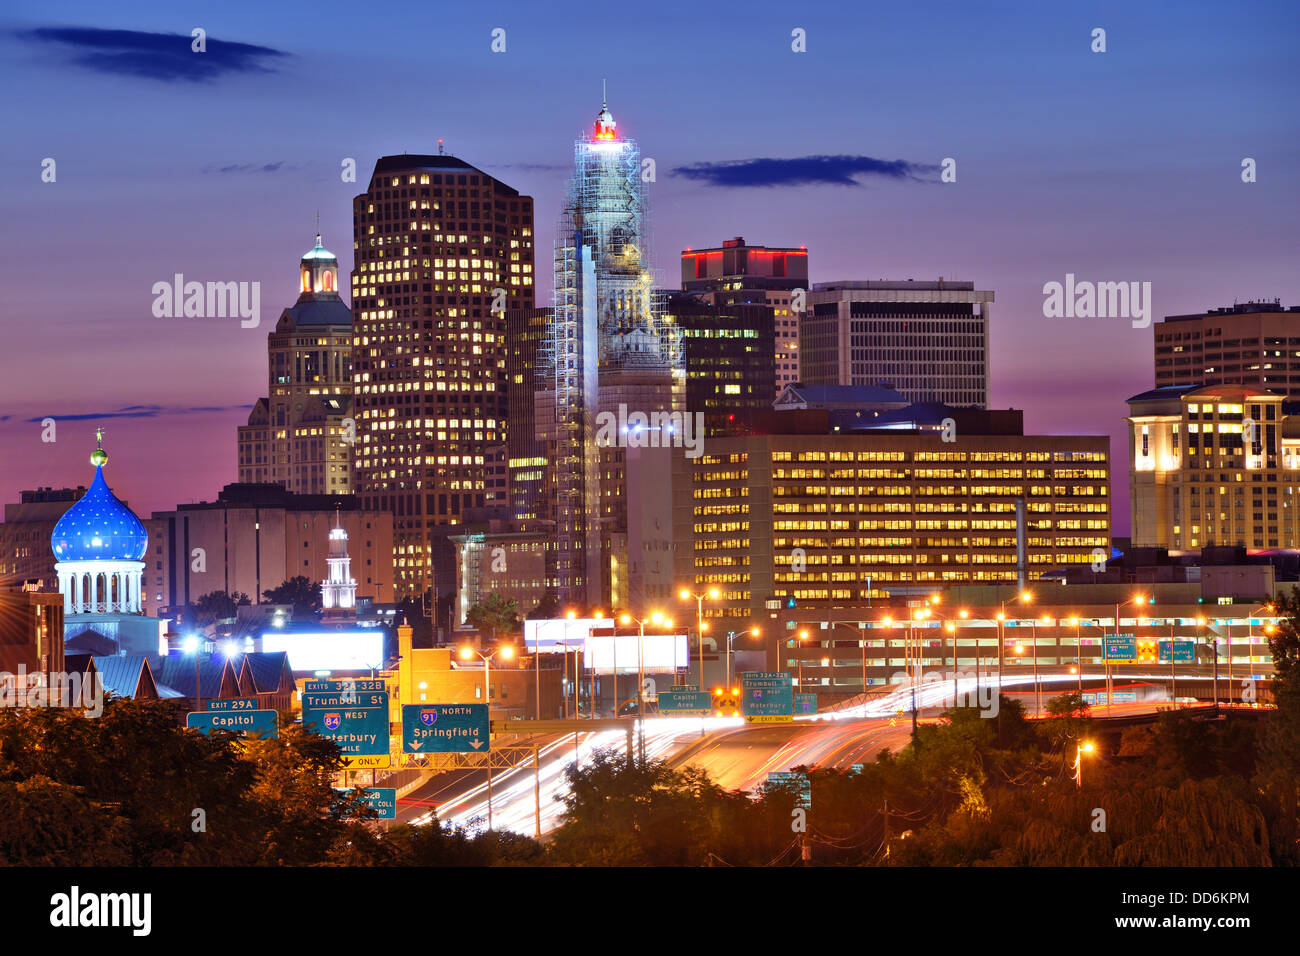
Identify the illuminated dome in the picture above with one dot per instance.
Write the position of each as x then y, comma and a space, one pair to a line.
99, 527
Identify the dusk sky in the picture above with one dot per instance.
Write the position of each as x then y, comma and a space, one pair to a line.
1115, 166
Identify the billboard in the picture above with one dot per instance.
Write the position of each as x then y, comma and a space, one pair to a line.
341, 650
602, 651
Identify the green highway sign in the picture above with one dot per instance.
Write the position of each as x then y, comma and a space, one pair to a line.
805, 703
1184, 652
766, 697
264, 723
233, 703
383, 800
445, 729
685, 701
355, 719
1121, 647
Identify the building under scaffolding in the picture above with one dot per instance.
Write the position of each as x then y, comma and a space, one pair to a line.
610, 343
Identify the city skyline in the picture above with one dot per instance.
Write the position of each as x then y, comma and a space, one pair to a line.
1154, 199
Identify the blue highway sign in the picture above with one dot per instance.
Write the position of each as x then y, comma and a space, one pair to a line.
355, 720
684, 702
383, 800
264, 723
445, 729
766, 698
233, 703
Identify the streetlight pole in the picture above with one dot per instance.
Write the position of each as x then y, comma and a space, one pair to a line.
506, 652
687, 594
655, 618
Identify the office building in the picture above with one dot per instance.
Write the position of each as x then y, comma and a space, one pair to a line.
1213, 465
844, 519
443, 253
301, 434
736, 274
929, 340
1252, 343
728, 352
526, 451
253, 538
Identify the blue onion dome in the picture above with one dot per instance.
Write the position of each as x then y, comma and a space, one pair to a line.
98, 527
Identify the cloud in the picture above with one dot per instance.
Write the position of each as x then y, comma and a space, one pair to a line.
531, 167
247, 168
804, 171
153, 56
142, 411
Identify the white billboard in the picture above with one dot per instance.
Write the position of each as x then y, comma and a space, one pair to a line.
328, 650
601, 651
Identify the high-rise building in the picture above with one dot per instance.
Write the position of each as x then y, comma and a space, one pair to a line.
300, 435
729, 356
443, 252
839, 519
929, 340
737, 274
608, 346
1252, 343
1214, 465
526, 463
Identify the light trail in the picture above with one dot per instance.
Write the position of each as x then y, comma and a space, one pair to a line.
513, 799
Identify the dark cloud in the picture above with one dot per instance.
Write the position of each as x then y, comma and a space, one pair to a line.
532, 167
142, 411
804, 171
246, 168
155, 56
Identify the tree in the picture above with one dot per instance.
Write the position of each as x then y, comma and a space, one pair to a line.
494, 613
212, 607
547, 608
301, 592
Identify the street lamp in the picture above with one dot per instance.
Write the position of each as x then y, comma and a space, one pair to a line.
731, 636
506, 652
1110, 690
191, 646
686, 594
1038, 696
1083, 747
803, 636
655, 618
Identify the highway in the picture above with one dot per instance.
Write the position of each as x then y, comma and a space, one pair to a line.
736, 755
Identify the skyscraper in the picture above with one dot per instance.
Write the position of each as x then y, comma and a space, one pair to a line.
443, 250
927, 339
1250, 343
300, 434
609, 344
737, 274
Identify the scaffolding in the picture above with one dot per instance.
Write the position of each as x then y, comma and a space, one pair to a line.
607, 317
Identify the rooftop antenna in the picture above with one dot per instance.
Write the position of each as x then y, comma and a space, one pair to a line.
439, 147
603, 100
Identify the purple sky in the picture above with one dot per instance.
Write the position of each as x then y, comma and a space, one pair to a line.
1123, 165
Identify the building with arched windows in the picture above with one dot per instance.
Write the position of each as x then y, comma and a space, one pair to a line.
99, 545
